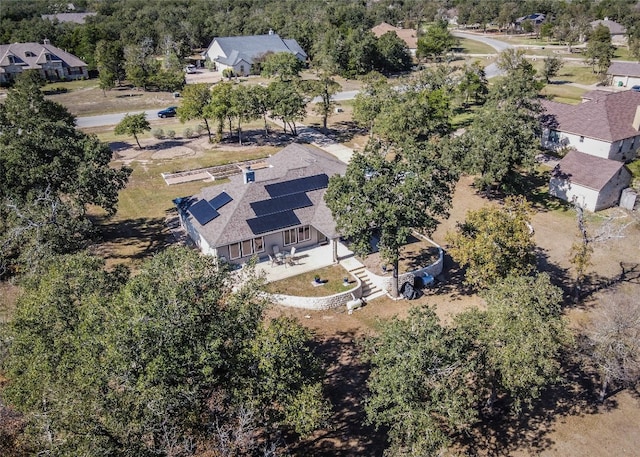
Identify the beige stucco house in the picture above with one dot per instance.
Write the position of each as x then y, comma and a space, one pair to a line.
409, 36
280, 205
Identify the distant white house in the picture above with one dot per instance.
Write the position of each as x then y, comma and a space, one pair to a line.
239, 53
591, 182
51, 62
606, 125
624, 74
75, 18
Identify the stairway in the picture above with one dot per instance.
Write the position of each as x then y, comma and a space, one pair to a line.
369, 290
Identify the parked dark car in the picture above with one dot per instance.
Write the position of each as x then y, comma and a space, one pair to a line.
635, 88
167, 112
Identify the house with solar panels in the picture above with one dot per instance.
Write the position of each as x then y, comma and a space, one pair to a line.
265, 209
239, 52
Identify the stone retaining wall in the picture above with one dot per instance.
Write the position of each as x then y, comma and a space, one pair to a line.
318, 303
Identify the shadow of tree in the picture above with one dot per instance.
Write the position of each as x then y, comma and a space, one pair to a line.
132, 238
503, 434
345, 386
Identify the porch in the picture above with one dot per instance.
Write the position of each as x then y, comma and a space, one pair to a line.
305, 260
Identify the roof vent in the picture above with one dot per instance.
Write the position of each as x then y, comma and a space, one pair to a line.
248, 175
636, 119
46, 41
270, 31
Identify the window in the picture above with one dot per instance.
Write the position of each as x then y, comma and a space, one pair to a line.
581, 139
246, 248
304, 233
258, 244
290, 236
234, 251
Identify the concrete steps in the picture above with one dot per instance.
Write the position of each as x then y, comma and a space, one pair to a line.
369, 290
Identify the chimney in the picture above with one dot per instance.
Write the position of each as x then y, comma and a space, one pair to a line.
636, 119
46, 41
270, 31
248, 175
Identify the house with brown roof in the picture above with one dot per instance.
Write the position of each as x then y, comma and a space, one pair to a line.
51, 62
265, 210
606, 125
624, 74
409, 36
592, 182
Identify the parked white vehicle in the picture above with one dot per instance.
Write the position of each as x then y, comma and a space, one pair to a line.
190, 69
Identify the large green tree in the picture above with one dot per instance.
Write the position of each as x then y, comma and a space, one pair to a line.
50, 173
102, 363
494, 242
436, 41
503, 138
393, 55
195, 99
430, 384
599, 51
285, 65
133, 124
386, 195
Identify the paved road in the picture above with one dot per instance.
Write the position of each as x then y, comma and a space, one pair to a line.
498, 45
111, 119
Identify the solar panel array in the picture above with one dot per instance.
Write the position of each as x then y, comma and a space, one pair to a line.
296, 186
271, 222
206, 211
203, 212
281, 204
220, 200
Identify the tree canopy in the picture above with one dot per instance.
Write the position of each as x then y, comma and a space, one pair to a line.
493, 243
133, 124
107, 363
51, 173
430, 383
384, 196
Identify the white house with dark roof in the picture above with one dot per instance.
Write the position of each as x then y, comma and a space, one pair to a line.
624, 74
606, 125
592, 182
238, 53
53, 63
74, 18
279, 206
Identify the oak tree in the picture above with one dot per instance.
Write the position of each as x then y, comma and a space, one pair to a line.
133, 124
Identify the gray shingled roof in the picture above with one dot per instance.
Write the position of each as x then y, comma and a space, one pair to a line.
294, 161
247, 48
624, 69
31, 55
608, 116
76, 18
614, 27
587, 170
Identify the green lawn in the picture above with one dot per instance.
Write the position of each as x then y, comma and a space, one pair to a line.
301, 285
475, 47
563, 93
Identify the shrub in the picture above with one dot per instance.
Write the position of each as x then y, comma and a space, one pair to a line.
188, 132
199, 129
158, 133
171, 134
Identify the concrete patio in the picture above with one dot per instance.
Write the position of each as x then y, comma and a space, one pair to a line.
306, 260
